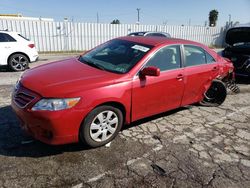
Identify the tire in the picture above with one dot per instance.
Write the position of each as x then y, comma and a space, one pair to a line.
96, 126
215, 95
18, 62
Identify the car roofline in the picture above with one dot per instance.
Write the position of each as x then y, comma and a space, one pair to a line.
157, 41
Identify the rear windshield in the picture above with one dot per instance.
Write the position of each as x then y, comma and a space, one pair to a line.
118, 56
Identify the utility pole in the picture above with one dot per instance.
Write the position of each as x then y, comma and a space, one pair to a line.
97, 17
229, 20
138, 15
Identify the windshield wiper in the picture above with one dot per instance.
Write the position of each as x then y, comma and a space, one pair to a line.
91, 63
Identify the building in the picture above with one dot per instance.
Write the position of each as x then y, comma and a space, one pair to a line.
21, 17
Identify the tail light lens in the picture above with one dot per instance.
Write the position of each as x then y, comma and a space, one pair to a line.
31, 45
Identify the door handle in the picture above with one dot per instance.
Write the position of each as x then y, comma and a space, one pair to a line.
179, 77
7, 47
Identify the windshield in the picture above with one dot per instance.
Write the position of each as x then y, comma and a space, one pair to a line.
118, 56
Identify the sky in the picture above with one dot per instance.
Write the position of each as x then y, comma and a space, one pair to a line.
170, 12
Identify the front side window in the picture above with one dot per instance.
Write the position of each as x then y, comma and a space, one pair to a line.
167, 58
194, 55
118, 56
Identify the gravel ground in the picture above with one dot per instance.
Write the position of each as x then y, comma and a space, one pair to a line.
189, 147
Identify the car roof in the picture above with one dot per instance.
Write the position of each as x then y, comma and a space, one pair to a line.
9, 32
156, 41
142, 32
147, 32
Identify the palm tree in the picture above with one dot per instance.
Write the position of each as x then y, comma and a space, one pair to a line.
213, 17
116, 21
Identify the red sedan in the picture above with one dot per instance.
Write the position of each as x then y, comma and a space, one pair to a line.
91, 97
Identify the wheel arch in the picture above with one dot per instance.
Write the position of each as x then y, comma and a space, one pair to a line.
115, 104
17, 53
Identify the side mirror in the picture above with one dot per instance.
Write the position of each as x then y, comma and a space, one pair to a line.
150, 71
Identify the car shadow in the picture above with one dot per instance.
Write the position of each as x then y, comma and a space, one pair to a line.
154, 117
4, 69
14, 141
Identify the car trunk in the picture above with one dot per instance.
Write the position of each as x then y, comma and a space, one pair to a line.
238, 35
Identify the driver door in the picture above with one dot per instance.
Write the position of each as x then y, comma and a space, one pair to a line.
153, 95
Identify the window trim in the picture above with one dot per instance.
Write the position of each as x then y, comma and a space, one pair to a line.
211, 56
151, 55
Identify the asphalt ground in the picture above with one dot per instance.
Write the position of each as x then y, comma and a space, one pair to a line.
192, 146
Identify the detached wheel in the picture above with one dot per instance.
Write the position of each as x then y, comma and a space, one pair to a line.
18, 62
101, 126
215, 95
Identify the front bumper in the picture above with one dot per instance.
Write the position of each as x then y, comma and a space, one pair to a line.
54, 128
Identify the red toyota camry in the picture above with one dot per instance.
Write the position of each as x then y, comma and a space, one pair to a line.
90, 98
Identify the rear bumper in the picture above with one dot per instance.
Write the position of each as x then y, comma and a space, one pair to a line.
54, 128
34, 58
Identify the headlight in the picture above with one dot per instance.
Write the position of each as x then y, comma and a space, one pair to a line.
55, 104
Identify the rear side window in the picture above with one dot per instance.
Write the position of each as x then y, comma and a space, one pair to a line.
194, 55
209, 58
6, 38
2, 38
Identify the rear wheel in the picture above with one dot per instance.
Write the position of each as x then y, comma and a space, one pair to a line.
215, 95
18, 62
101, 125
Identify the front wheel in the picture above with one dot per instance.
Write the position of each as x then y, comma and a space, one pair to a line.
18, 62
101, 125
215, 95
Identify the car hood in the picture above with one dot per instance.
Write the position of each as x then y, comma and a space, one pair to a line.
61, 78
237, 35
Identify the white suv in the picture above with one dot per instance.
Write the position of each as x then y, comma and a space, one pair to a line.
16, 51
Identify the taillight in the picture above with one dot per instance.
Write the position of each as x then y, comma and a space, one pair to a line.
31, 45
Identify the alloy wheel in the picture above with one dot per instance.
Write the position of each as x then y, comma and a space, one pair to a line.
104, 126
19, 62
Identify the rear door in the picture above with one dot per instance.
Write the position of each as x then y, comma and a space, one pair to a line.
200, 69
7, 44
152, 95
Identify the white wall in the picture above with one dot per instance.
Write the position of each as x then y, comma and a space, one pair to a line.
69, 36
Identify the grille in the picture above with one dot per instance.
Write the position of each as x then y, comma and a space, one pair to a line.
22, 99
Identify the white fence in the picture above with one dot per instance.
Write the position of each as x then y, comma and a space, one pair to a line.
69, 36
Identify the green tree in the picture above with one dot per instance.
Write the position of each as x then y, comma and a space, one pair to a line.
213, 17
116, 21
